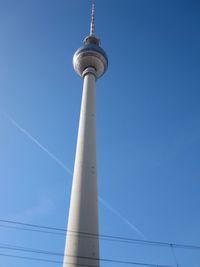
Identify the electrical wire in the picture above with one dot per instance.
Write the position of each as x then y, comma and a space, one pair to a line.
42, 260
31, 230
29, 250
174, 255
91, 235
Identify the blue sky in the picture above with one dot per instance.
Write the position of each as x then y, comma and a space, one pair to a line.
148, 123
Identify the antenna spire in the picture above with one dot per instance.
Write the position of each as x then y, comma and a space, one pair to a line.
92, 20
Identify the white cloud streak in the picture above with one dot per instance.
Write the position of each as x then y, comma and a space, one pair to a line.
119, 215
34, 140
61, 164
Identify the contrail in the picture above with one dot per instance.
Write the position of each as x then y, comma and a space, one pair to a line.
126, 221
61, 164
34, 140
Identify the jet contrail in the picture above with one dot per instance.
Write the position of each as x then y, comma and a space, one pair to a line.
61, 164
126, 221
34, 140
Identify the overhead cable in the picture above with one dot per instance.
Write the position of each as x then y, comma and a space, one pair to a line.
91, 235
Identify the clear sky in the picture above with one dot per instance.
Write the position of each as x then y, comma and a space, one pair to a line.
148, 125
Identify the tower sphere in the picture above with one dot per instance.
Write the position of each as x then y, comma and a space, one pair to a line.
90, 55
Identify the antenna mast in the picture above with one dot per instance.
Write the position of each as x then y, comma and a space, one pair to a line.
92, 20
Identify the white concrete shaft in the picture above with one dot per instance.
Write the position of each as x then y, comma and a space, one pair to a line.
83, 249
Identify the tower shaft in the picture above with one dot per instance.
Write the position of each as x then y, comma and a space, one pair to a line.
82, 249
82, 243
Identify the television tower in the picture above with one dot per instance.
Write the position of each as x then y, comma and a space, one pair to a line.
82, 242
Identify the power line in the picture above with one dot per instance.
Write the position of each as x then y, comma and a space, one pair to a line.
27, 258
31, 230
174, 255
24, 249
33, 225
41, 260
91, 235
